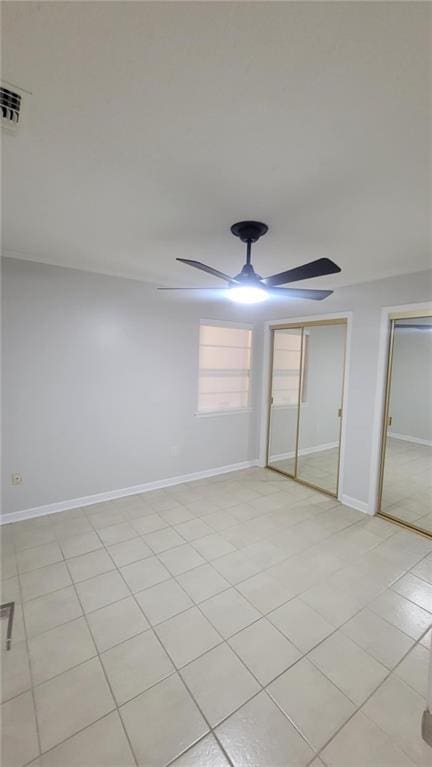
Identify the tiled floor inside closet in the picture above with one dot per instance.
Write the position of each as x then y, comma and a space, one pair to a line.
407, 489
242, 620
320, 468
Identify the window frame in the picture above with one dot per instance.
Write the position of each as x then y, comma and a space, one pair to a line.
227, 411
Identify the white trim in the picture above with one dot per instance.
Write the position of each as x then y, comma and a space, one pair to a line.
110, 495
345, 406
407, 438
384, 331
309, 318
228, 324
304, 451
355, 503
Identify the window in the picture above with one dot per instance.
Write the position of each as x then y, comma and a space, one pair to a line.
224, 368
286, 367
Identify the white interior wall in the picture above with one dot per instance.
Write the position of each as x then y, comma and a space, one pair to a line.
100, 380
411, 387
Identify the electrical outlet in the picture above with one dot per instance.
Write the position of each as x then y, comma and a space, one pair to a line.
16, 479
174, 450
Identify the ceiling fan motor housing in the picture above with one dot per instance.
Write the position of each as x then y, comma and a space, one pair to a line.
249, 231
248, 276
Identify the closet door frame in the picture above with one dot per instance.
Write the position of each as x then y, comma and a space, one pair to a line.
392, 319
302, 325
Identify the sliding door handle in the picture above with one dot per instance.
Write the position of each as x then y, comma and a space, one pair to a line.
340, 412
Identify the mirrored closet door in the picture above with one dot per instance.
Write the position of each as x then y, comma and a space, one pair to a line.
406, 463
305, 408
285, 395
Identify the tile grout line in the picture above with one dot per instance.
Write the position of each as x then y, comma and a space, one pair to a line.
177, 672
232, 586
359, 708
262, 516
106, 678
263, 615
209, 562
210, 733
248, 700
305, 656
33, 696
78, 732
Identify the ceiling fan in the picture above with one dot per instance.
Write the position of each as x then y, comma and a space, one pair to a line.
248, 287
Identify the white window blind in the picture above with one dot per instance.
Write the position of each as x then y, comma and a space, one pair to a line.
286, 368
224, 368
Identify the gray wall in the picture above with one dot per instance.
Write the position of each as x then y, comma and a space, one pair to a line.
100, 381
411, 389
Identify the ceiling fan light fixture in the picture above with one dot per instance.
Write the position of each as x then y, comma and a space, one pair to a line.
247, 294
248, 287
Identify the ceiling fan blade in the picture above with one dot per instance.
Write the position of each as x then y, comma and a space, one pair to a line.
314, 295
208, 269
193, 288
306, 272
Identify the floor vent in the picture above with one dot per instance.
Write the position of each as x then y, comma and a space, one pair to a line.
7, 611
10, 105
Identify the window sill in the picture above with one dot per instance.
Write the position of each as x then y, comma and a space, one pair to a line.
215, 413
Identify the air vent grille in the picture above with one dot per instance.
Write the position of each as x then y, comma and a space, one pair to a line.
10, 105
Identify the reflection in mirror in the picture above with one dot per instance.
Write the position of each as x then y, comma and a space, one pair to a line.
284, 399
407, 478
320, 411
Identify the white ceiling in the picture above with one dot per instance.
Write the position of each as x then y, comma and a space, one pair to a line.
152, 127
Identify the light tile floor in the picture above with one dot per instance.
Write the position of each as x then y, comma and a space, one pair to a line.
243, 620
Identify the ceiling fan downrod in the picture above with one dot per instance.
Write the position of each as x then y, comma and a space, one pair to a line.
249, 232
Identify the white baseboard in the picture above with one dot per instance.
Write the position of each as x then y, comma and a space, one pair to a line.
304, 451
354, 503
407, 438
111, 495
